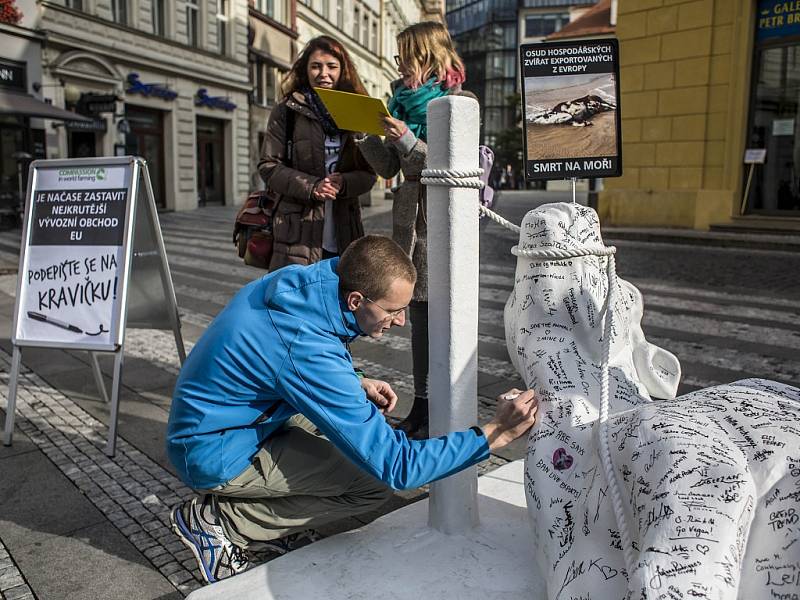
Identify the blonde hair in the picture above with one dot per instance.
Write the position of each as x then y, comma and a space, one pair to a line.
426, 49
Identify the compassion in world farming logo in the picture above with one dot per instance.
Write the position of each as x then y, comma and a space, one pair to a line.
89, 174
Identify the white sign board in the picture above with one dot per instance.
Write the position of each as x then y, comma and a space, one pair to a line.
755, 156
72, 276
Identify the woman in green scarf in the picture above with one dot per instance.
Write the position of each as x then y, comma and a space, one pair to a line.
430, 68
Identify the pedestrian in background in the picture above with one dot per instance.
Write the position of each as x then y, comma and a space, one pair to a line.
430, 69
320, 180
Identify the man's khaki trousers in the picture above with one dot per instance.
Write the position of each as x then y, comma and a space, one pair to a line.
298, 480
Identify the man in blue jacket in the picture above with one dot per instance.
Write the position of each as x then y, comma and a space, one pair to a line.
272, 425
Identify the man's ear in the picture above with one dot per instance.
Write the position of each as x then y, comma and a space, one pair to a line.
354, 300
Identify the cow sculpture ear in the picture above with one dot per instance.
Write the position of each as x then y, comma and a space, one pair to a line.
659, 370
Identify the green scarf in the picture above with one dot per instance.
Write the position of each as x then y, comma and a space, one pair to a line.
411, 105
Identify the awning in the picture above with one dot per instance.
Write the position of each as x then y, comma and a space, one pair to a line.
25, 105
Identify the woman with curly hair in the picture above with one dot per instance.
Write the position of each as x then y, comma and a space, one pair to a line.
318, 173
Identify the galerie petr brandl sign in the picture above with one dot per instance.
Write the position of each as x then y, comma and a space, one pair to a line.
777, 18
570, 107
70, 282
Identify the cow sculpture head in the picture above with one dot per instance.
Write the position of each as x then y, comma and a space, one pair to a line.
554, 319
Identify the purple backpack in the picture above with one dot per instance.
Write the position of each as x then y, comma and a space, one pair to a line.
485, 162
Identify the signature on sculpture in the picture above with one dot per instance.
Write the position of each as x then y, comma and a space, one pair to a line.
697, 496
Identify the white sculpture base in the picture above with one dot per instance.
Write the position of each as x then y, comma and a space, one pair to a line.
398, 557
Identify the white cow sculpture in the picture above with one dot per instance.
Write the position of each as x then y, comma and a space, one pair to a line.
707, 485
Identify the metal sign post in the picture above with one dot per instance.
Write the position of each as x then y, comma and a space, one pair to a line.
752, 157
90, 231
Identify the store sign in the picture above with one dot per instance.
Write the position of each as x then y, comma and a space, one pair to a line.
778, 18
755, 156
149, 89
203, 99
93, 125
12, 75
95, 104
570, 107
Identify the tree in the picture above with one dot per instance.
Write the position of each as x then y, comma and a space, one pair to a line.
9, 13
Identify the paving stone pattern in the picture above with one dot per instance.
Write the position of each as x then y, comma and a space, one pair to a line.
719, 329
12, 584
132, 491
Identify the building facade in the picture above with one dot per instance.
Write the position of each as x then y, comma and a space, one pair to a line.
272, 47
702, 81
162, 79
369, 29
487, 34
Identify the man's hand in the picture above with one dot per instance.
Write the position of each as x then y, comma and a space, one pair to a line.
380, 393
515, 415
393, 128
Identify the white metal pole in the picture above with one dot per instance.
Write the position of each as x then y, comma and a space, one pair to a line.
453, 129
11, 404
113, 417
98, 376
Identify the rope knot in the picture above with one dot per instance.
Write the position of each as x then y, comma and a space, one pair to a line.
463, 178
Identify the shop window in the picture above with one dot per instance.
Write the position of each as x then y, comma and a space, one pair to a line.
159, 16
257, 81
119, 11
266, 83
192, 30
774, 121
222, 26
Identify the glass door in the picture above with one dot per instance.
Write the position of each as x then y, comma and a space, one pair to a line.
146, 139
210, 161
774, 120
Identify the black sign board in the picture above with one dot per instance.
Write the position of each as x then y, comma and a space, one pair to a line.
570, 107
95, 104
93, 125
12, 75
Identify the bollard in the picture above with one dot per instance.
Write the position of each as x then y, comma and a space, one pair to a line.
453, 130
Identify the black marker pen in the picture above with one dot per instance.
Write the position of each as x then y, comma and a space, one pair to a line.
45, 319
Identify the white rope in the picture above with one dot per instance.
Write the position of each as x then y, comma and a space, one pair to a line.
557, 254
464, 178
543, 255
498, 219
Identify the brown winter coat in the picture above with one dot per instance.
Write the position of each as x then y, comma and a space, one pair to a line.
299, 220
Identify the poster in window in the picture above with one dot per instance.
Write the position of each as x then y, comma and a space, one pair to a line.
570, 102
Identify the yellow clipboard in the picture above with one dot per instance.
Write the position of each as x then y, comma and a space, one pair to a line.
354, 112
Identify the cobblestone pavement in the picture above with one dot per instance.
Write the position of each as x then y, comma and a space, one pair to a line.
727, 313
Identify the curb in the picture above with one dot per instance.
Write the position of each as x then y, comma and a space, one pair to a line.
783, 243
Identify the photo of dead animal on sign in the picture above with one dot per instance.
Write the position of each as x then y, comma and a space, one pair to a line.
570, 105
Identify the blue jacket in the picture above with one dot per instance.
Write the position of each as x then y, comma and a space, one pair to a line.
276, 350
